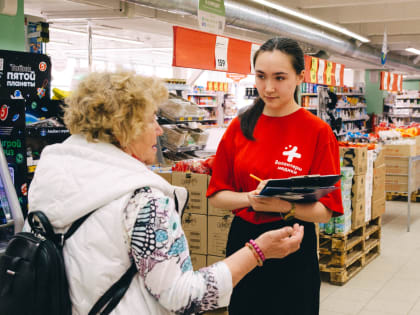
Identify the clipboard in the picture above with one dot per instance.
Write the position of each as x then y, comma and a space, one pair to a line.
308, 188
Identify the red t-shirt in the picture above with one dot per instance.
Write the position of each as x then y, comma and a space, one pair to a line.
293, 145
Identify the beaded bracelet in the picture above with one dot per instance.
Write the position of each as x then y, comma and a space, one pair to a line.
257, 249
257, 257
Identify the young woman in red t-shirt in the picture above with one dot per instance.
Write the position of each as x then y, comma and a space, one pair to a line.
275, 138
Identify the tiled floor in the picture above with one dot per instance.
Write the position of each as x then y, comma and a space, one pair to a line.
390, 284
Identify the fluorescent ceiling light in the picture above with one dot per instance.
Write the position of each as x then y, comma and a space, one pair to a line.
117, 39
413, 50
155, 50
312, 19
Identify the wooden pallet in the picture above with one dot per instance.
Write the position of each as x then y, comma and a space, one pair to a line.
401, 196
341, 257
340, 276
373, 250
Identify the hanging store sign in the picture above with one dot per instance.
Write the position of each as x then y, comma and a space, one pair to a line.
211, 16
201, 50
391, 82
321, 71
220, 53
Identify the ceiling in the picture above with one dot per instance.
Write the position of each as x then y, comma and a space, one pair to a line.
153, 27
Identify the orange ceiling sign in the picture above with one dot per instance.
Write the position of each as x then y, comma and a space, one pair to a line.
195, 49
391, 81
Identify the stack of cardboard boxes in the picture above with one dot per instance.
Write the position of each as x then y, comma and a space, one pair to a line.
397, 163
206, 228
378, 192
368, 189
357, 158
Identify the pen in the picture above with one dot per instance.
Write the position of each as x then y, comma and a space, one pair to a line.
255, 177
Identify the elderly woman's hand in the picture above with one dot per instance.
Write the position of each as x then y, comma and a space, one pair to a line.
282, 242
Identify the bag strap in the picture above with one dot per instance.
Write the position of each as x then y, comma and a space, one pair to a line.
114, 294
57, 238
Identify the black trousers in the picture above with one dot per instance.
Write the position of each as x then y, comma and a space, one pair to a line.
288, 286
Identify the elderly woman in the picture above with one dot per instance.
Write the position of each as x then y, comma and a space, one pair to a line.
103, 166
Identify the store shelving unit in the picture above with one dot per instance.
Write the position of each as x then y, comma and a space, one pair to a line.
402, 109
207, 101
351, 108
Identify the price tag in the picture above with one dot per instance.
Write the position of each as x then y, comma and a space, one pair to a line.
181, 118
321, 68
254, 48
314, 68
338, 74
190, 118
328, 74
221, 53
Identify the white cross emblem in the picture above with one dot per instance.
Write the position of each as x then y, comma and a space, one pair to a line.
292, 153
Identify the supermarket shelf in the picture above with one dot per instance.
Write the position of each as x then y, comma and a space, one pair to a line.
351, 94
229, 116
343, 133
201, 94
175, 120
408, 98
309, 94
402, 116
207, 106
178, 87
183, 149
350, 107
311, 108
207, 120
355, 119
408, 106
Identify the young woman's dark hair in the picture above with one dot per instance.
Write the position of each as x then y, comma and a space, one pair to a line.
287, 46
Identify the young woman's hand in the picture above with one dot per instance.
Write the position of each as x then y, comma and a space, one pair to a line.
282, 242
268, 204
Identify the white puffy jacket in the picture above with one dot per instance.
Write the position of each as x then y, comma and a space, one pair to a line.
76, 177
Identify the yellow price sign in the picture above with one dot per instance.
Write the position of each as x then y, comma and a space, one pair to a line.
181, 118
314, 69
189, 118
328, 73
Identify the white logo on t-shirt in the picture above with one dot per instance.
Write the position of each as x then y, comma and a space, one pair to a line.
292, 153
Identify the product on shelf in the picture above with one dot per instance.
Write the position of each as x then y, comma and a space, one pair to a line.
178, 108
199, 166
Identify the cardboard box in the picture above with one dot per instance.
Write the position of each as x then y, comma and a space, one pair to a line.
195, 229
213, 259
399, 149
218, 230
356, 158
378, 208
358, 214
380, 159
217, 211
358, 188
198, 261
378, 183
166, 175
196, 184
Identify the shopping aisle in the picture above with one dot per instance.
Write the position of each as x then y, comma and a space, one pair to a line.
390, 284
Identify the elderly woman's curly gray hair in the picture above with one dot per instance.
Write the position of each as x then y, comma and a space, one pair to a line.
112, 107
